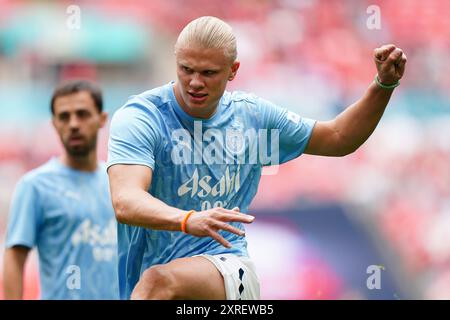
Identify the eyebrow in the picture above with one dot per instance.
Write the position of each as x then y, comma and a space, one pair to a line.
81, 109
203, 70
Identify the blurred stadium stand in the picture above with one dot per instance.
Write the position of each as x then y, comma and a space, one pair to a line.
388, 203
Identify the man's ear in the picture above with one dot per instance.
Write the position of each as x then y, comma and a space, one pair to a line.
103, 119
234, 69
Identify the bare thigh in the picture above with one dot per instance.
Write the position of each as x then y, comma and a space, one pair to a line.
186, 278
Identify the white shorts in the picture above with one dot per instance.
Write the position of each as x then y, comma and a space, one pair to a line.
239, 274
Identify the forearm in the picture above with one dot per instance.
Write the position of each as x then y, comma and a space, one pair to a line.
355, 125
13, 276
13, 285
138, 208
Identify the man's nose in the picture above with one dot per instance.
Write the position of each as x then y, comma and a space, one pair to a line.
74, 122
196, 81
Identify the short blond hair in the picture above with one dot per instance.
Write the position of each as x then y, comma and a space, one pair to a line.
208, 32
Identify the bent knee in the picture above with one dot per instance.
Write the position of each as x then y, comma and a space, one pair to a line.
155, 283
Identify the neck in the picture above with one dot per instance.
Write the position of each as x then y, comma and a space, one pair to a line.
82, 163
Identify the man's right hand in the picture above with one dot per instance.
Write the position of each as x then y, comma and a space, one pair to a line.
208, 223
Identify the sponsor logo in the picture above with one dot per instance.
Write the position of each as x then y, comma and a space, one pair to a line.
203, 186
102, 240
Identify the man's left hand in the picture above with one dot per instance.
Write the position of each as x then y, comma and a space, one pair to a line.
390, 62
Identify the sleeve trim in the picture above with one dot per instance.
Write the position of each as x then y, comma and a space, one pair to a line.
16, 243
128, 161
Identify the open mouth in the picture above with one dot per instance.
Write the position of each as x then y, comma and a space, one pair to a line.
198, 96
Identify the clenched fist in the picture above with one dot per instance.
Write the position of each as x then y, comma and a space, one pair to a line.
390, 62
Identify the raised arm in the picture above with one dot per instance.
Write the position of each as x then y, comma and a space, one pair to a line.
133, 205
350, 129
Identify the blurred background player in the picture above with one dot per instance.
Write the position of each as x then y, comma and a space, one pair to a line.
160, 189
64, 209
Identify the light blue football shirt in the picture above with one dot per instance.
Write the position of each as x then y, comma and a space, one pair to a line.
67, 214
197, 164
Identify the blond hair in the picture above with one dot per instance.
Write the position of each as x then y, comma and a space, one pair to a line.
208, 32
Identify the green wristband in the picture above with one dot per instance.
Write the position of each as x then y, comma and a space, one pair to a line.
384, 86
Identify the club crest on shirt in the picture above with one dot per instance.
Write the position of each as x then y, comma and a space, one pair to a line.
234, 137
235, 141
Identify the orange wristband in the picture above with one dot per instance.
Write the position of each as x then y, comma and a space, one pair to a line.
186, 217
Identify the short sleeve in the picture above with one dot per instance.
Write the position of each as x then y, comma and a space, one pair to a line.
292, 130
25, 211
134, 136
